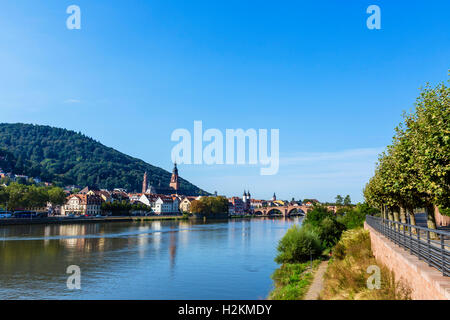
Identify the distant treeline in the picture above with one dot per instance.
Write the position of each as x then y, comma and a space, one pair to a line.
20, 196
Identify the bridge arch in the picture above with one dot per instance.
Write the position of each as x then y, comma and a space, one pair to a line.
259, 212
274, 210
297, 210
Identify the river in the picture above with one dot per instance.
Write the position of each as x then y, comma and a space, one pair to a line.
230, 259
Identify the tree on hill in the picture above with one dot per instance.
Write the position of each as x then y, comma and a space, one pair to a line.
69, 158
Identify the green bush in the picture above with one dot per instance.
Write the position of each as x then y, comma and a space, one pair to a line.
298, 244
328, 228
355, 217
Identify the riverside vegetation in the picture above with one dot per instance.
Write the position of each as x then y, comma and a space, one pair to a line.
346, 275
414, 171
313, 241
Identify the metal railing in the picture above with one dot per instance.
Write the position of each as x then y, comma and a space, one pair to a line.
430, 245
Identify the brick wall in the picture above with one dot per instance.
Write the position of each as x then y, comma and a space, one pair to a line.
426, 283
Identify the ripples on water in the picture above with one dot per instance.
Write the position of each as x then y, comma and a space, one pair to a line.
142, 260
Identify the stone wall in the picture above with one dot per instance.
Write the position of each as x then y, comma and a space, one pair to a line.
427, 283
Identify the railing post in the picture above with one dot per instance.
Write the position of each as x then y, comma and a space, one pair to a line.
410, 241
443, 254
396, 232
418, 244
404, 236
428, 248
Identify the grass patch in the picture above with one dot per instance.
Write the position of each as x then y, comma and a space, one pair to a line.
346, 276
292, 280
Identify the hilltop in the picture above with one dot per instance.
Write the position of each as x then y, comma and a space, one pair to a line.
66, 157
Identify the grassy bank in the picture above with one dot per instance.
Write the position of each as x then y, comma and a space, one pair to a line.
292, 280
346, 276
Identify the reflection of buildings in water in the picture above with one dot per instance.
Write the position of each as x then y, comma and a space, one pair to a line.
76, 234
47, 233
173, 248
75, 231
156, 236
142, 240
156, 225
245, 232
184, 231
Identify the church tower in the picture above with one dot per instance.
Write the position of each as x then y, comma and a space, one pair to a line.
174, 184
274, 197
144, 183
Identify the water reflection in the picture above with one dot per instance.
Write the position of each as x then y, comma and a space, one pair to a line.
141, 260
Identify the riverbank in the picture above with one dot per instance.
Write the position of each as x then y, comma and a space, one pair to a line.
67, 220
348, 272
292, 280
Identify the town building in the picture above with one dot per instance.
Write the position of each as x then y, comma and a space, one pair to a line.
161, 204
238, 205
82, 204
255, 203
185, 203
246, 199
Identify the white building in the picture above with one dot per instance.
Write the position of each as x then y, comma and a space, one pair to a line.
161, 204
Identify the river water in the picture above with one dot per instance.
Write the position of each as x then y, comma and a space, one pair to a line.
230, 259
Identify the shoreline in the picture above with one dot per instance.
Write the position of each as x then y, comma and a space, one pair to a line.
64, 220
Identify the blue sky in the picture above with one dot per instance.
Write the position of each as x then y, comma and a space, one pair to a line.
137, 70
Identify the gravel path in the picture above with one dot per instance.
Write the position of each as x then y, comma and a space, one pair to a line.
317, 285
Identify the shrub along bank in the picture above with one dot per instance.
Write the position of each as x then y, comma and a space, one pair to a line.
314, 240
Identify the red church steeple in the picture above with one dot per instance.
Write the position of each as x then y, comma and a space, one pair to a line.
174, 184
144, 183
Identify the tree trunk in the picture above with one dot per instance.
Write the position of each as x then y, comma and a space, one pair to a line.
402, 216
431, 222
412, 219
390, 214
396, 215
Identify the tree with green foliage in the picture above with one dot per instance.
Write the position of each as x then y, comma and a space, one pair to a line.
347, 200
355, 217
299, 244
210, 205
4, 197
19, 196
56, 196
325, 224
339, 200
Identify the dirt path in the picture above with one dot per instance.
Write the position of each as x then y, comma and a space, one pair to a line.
317, 285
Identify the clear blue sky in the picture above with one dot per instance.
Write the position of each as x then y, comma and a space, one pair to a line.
137, 70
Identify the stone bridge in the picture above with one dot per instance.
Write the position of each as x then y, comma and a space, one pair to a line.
285, 210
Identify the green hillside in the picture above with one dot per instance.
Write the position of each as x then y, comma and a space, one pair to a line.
66, 157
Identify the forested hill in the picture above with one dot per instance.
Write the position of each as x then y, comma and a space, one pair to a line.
66, 157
